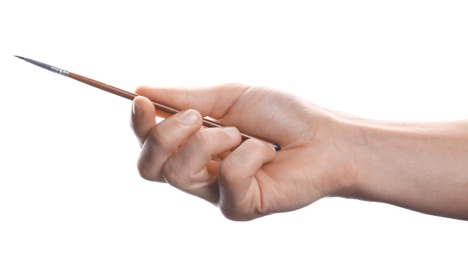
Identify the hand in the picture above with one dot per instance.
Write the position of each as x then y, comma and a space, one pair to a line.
246, 179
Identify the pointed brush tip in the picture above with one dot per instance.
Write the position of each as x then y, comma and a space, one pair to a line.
19, 57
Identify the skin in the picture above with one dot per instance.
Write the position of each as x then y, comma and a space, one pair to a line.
419, 166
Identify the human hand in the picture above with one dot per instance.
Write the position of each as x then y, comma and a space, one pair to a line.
246, 179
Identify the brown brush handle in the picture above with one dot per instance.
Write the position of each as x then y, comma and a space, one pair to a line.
131, 96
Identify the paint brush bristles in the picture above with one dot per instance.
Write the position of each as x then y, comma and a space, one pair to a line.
119, 92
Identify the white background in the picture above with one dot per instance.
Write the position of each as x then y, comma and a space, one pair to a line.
69, 188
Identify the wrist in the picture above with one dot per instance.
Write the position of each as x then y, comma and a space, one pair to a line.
366, 148
375, 154
418, 166
344, 139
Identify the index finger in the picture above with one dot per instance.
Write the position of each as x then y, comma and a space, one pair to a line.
209, 101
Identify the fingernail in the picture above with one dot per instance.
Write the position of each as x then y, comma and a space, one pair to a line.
136, 109
232, 132
188, 117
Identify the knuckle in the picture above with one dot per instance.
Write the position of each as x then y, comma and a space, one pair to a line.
230, 215
236, 214
155, 137
143, 170
201, 138
228, 168
173, 175
147, 174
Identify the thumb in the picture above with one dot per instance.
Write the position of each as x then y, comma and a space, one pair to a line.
209, 101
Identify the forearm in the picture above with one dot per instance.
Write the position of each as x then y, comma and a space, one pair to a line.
423, 167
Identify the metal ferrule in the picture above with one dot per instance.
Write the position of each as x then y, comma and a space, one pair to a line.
58, 70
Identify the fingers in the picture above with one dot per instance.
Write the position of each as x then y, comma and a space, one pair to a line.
179, 152
239, 180
187, 170
163, 140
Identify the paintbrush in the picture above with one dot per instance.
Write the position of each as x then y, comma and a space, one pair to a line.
123, 93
